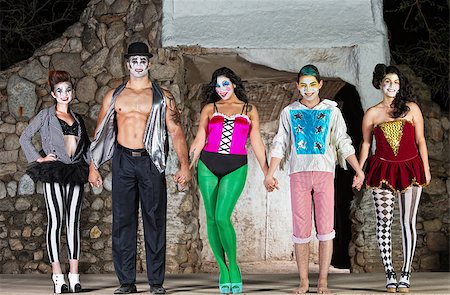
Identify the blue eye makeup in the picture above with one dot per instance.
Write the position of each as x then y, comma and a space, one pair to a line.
225, 83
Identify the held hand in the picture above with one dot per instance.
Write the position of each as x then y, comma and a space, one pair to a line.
48, 158
270, 183
358, 180
182, 177
95, 178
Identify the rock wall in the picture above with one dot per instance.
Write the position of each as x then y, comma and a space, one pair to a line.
432, 251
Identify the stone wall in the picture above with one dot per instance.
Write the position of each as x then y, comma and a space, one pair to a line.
92, 52
432, 252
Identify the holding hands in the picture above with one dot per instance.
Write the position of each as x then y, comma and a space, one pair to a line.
270, 183
358, 180
95, 178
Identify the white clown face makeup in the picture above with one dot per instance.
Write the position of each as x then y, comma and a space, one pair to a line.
390, 85
224, 87
138, 66
309, 87
63, 92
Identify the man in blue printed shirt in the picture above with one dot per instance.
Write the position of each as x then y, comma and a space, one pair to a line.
316, 133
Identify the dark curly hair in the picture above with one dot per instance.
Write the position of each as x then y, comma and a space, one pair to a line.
209, 90
404, 95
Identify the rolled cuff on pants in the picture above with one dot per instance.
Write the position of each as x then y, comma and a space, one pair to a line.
326, 237
297, 240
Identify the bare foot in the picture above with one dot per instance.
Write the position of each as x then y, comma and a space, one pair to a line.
302, 289
322, 287
324, 290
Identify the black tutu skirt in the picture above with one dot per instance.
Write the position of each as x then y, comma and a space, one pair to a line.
56, 171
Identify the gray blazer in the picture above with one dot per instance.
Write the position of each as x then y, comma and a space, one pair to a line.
52, 137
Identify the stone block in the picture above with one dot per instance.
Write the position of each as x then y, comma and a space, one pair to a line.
94, 64
445, 123
14, 233
437, 242
432, 225
86, 88
73, 45
97, 204
2, 190
9, 156
7, 128
51, 48
22, 98
26, 185
115, 63
38, 255
6, 206
26, 233
436, 187
69, 62
11, 267
15, 244
11, 142
34, 72
37, 232
80, 108
115, 34
95, 232
429, 262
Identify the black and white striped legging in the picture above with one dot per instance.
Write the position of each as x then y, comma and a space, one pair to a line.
63, 203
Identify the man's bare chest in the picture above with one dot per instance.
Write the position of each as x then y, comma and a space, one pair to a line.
134, 103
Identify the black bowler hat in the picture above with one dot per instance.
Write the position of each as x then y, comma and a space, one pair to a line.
137, 48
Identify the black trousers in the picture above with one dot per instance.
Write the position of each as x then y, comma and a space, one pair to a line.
135, 178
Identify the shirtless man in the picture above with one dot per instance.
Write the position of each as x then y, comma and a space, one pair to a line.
142, 112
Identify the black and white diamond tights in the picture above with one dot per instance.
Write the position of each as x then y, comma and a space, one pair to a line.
384, 207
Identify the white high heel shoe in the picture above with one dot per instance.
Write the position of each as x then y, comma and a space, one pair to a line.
74, 282
59, 284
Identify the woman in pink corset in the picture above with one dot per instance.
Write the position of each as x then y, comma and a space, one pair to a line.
220, 148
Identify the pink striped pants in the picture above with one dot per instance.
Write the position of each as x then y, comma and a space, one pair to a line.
302, 186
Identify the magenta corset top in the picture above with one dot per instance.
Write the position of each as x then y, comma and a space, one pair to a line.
228, 134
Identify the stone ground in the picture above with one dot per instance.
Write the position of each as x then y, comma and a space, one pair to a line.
281, 279
274, 267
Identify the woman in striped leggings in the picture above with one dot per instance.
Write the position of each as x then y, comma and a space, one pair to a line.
398, 168
62, 167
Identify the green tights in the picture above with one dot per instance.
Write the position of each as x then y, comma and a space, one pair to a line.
220, 197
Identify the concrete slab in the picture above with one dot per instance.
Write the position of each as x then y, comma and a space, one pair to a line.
205, 283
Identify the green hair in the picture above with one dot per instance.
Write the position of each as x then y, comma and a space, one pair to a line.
309, 70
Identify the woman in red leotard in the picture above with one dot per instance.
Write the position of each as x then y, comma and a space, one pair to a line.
399, 166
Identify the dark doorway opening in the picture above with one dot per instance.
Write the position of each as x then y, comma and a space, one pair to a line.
350, 105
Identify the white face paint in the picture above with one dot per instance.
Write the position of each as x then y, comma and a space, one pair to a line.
63, 92
224, 87
309, 87
390, 85
138, 66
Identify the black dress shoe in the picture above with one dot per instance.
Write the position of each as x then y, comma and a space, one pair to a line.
157, 290
126, 289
